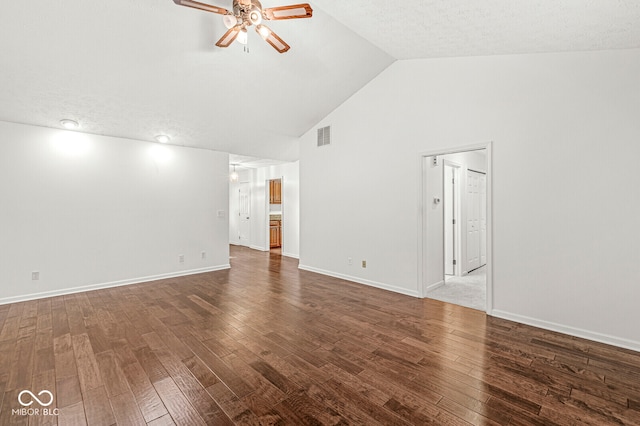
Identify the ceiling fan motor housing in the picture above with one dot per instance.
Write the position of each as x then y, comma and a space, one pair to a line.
249, 12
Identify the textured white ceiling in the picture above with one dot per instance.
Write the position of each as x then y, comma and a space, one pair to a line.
411, 29
138, 68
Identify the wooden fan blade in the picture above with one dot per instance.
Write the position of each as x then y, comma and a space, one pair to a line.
272, 38
295, 11
202, 6
228, 37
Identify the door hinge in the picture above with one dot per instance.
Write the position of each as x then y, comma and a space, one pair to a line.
455, 262
454, 221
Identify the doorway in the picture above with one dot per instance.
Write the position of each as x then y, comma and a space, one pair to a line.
275, 217
456, 227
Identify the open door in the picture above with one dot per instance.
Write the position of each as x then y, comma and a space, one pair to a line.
476, 220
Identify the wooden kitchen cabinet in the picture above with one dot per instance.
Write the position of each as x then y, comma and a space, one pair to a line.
275, 232
275, 191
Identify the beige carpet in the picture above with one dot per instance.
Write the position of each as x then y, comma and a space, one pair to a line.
469, 291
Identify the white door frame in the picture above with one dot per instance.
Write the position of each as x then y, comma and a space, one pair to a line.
457, 203
423, 202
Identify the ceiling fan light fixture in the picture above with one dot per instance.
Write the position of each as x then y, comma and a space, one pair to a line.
255, 15
263, 31
229, 21
243, 36
247, 13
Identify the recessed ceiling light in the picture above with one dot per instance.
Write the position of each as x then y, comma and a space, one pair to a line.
163, 138
69, 124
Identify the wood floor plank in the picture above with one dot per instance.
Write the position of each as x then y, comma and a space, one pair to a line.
151, 365
45, 380
64, 358
143, 391
88, 371
206, 407
126, 410
97, 407
235, 408
68, 391
266, 343
72, 415
112, 374
165, 420
181, 411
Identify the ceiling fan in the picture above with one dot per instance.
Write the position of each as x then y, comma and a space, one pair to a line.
250, 12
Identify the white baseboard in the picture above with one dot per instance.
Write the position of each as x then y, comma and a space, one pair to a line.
294, 256
42, 295
571, 331
370, 283
436, 285
258, 248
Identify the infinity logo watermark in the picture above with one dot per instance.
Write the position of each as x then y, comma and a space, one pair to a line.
44, 404
26, 398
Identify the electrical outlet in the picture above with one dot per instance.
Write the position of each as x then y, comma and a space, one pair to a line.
350, 261
364, 263
35, 275
181, 258
203, 255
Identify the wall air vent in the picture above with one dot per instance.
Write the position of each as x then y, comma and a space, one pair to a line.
324, 136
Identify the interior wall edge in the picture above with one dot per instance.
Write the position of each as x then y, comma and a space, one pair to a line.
101, 286
382, 286
571, 331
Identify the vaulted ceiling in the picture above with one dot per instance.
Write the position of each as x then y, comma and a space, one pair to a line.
139, 68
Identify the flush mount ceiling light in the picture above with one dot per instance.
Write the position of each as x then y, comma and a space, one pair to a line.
163, 138
250, 12
69, 124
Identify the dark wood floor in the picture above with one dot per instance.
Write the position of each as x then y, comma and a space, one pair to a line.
265, 343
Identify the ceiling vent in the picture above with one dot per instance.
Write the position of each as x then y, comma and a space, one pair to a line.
324, 136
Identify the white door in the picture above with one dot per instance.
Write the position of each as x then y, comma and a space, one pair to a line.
449, 221
244, 234
483, 219
473, 221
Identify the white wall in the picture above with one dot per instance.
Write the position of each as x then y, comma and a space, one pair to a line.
289, 173
565, 135
89, 211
